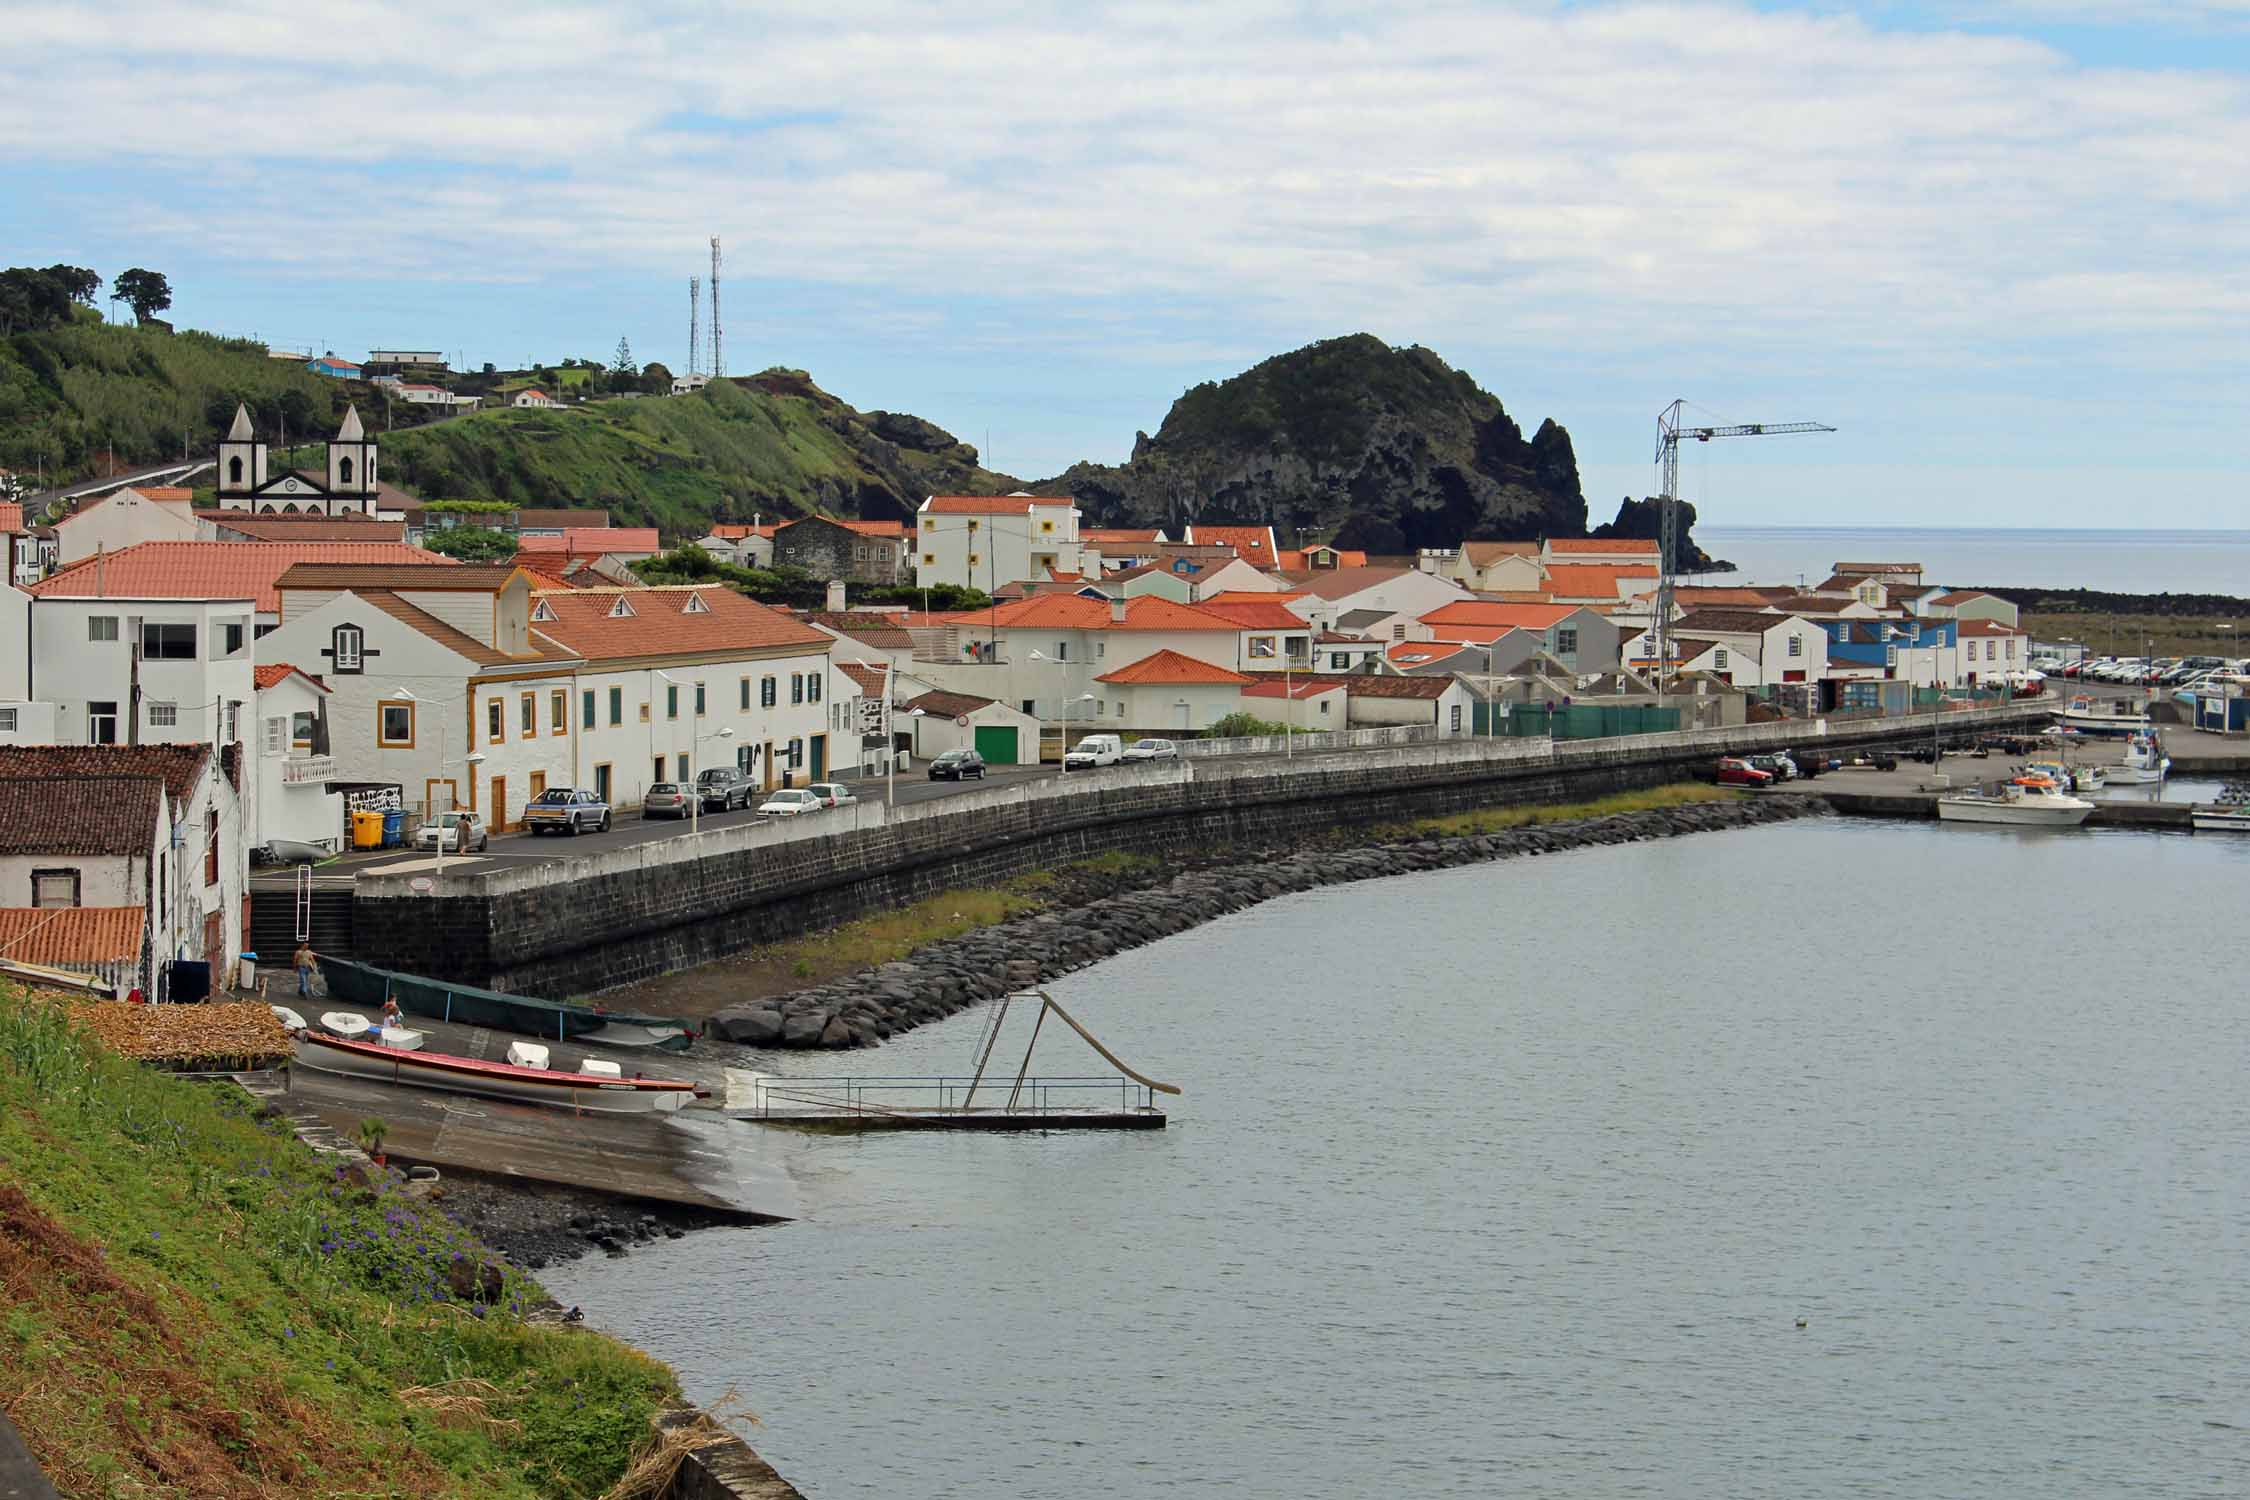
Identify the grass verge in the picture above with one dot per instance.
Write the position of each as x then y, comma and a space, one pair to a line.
1494, 819
193, 1304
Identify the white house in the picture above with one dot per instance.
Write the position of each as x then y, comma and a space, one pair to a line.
1328, 597
1499, 567
1338, 651
744, 546
683, 384
1445, 703
1159, 693
1748, 648
937, 721
126, 519
532, 396
124, 669
423, 394
1312, 704
292, 798
1235, 577
221, 570
1040, 652
983, 541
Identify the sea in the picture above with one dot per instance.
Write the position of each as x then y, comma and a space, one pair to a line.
2117, 561
1832, 1158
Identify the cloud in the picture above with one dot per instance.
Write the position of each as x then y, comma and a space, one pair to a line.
1605, 177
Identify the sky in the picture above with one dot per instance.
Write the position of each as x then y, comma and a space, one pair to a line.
2003, 247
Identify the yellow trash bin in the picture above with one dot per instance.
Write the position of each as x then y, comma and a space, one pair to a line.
367, 830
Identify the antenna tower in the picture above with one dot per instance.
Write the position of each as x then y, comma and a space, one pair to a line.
718, 349
694, 320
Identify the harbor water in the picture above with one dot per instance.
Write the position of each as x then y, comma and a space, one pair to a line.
1834, 1158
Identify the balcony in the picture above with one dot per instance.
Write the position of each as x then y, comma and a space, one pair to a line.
308, 770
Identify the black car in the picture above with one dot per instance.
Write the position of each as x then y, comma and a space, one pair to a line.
957, 765
724, 788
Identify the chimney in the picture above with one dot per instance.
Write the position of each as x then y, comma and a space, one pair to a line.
836, 595
1117, 611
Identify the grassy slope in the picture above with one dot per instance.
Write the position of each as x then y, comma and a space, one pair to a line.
2125, 634
193, 1305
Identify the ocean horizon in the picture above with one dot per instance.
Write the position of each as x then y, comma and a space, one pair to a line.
2131, 560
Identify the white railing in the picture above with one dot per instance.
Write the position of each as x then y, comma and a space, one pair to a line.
1309, 741
302, 770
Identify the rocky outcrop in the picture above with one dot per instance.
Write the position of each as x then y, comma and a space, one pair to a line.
946, 977
1642, 520
1349, 439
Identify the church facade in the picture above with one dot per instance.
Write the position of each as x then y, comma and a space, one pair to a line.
349, 487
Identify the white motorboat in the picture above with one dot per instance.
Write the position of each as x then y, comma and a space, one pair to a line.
600, 1086
2089, 715
2229, 814
2145, 762
2027, 801
349, 1024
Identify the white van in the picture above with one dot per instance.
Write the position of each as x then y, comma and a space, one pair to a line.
1094, 750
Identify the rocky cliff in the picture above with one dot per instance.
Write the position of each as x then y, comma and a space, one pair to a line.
1378, 448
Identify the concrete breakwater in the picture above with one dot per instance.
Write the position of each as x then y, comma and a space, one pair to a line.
949, 976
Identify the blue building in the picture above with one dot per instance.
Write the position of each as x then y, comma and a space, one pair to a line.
1873, 645
333, 368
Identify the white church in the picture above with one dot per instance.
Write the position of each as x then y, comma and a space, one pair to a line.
349, 489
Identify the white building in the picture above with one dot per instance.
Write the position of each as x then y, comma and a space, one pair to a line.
745, 546
126, 519
1326, 598
126, 670
1747, 648
421, 393
683, 384
983, 541
534, 397
1040, 652
348, 484
1158, 693
293, 799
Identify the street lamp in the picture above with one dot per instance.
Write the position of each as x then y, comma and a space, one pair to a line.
472, 759
695, 792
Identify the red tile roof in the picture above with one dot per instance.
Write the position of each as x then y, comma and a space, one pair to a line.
1077, 612
446, 576
1125, 536
1170, 666
1369, 686
167, 494
1253, 596
1292, 688
1296, 559
177, 767
1253, 544
11, 516
1600, 546
869, 680
1493, 612
592, 541
1256, 614
875, 528
1961, 596
1485, 554
1986, 627
73, 935
460, 642
734, 533
1422, 653
267, 675
988, 505
218, 570
661, 625
1593, 580
1341, 583
349, 526
949, 704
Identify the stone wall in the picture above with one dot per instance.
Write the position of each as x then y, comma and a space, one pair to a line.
574, 927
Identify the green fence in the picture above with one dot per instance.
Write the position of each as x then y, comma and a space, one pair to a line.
367, 986
1577, 721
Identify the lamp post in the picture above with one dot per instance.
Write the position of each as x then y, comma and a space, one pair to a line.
695, 792
473, 758
890, 750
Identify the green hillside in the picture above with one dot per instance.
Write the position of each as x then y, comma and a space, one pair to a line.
772, 444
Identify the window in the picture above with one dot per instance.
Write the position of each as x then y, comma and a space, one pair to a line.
745, 695
972, 525
929, 559
163, 715
211, 847
394, 725
345, 650
1062, 651
616, 706
277, 736
1890, 656
671, 700
796, 752
101, 628
974, 559
101, 723
234, 723
558, 711
680, 773
812, 687
1101, 650
699, 700
1047, 527
301, 729
53, 888
1566, 642
796, 687
1456, 718
1261, 647
766, 691
168, 643
528, 720
1120, 710
495, 721
1989, 648
230, 635
1338, 661
1719, 660
1398, 632
1796, 646
622, 609
1324, 705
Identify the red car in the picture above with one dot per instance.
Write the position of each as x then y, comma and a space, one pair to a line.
1734, 772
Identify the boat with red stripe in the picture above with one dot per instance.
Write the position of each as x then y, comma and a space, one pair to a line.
597, 1085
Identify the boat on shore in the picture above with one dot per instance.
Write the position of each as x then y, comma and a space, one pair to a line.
2026, 802
2090, 715
599, 1086
2230, 813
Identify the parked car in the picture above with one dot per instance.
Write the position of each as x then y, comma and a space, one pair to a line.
456, 832
1779, 767
1094, 750
1152, 750
665, 799
957, 765
1734, 771
832, 794
724, 788
562, 809
790, 802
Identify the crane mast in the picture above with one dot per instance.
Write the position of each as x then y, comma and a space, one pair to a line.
1669, 435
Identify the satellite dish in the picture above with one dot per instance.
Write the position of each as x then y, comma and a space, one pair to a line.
422, 883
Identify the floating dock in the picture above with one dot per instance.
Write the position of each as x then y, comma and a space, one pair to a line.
866, 1103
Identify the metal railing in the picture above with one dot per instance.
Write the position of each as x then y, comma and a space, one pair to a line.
851, 1094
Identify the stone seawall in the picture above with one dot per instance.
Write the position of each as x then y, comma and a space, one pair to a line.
575, 927
949, 976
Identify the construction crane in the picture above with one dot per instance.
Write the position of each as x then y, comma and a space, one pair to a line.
1669, 434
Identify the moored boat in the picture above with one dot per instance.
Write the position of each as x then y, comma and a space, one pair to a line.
2089, 715
2230, 813
2145, 761
2027, 801
601, 1087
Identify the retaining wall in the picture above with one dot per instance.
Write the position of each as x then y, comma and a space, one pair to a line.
573, 927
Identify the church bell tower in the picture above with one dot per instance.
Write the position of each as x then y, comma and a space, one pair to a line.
351, 463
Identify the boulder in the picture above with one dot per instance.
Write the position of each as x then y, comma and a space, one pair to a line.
755, 1026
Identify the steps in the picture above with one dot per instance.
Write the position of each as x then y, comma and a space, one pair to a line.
273, 924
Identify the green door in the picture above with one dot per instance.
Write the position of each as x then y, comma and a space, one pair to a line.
997, 744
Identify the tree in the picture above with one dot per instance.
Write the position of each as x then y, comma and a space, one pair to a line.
76, 281
31, 300
622, 366
146, 292
655, 380
471, 544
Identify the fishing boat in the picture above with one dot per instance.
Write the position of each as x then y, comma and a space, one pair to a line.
598, 1086
2145, 761
2230, 813
2066, 776
2027, 801
2090, 715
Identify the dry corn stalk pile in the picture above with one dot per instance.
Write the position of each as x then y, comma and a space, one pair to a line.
171, 1035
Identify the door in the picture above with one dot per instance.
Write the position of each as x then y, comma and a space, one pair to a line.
538, 785
769, 766
819, 757
997, 744
498, 812
601, 782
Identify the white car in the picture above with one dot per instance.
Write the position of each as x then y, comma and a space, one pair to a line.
789, 803
1152, 750
832, 793
1094, 750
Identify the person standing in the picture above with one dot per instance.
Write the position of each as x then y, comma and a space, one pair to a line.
305, 959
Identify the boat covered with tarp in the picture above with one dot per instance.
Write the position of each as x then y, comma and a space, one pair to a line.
443, 1000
